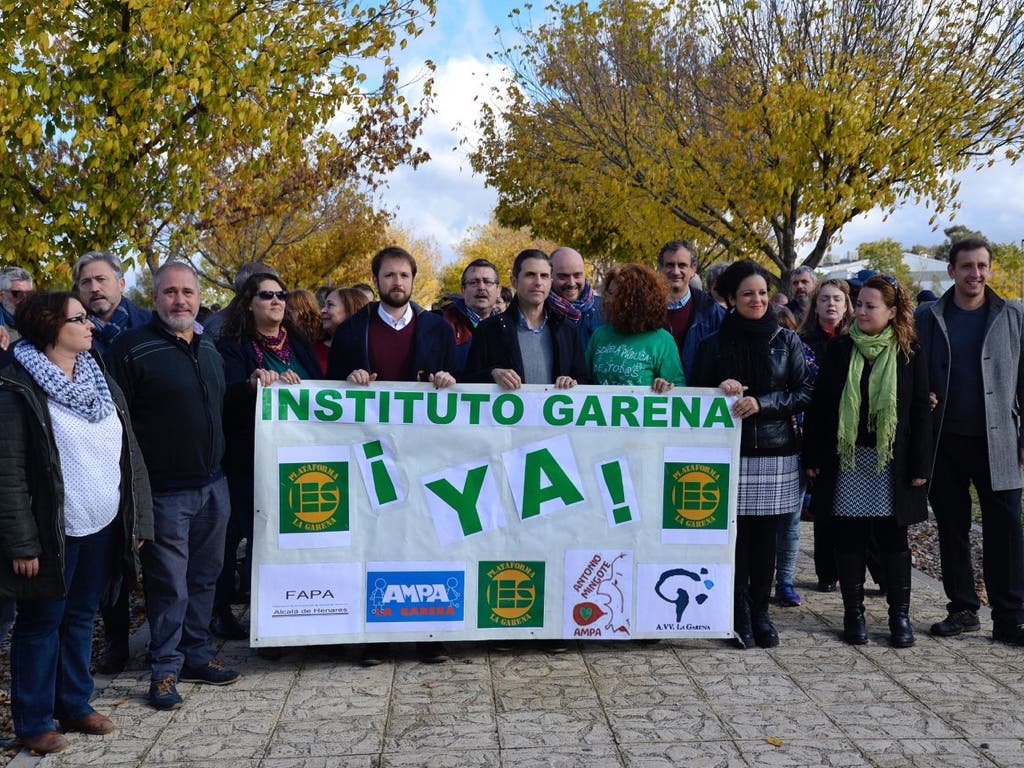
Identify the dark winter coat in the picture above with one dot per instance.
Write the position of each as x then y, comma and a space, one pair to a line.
912, 448
32, 502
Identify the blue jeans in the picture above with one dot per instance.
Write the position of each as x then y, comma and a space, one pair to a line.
180, 568
52, 643
787, 542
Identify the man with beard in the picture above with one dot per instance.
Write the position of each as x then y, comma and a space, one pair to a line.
99, 281
572, 295
801, 286
692, 314
173, 380
393, 339
480, 290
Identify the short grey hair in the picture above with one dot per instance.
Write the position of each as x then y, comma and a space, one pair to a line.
249, 269
802, 270
9, 274
90, 257
168, 265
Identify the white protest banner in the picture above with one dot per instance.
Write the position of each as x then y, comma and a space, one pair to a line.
401, 512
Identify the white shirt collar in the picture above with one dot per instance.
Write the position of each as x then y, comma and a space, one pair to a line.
401, 322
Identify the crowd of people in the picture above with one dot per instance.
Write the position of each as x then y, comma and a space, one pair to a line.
127, 450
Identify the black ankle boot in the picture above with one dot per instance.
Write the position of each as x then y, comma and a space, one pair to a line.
897, 575
765, 634
744, 635
851, 583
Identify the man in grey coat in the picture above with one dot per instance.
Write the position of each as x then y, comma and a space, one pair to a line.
973, 340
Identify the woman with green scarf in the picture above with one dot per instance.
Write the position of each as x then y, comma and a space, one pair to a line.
868, 444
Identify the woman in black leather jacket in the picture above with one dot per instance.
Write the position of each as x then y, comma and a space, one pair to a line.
752, 358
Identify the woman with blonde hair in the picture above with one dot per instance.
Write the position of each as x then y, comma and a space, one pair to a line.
868, 445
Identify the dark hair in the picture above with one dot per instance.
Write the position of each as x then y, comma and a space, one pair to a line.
391, 252
529, 253
507, 295
896, 296
240, 325
639, 300
969, 243
40, 316
785, 317
729, 281
480, 264
674, 245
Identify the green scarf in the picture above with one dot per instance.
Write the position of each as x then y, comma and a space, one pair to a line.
879, 349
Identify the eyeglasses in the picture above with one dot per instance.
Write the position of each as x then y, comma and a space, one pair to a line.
268, 295
81, 319
16, 293
479, 282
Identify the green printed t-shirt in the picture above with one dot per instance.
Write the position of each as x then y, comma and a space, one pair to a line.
636, 359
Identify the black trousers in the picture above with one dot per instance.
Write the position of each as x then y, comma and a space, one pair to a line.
755, 556
855, 534
959, 462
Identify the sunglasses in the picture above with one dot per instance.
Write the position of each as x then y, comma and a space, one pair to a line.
81, 319
268, 295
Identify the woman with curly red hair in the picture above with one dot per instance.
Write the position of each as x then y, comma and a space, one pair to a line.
633, 347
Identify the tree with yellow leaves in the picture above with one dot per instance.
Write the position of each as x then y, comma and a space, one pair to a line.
119, 118
751, 126
493, 242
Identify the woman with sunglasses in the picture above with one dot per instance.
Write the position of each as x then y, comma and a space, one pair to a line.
762, 365
75, 508
261, 344
868, 445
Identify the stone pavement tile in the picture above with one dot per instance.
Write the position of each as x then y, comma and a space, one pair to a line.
538, 728
99, 751
1012, 679
896, 753
1002, 752
314, 703
196, 742
645, 690
456, 732
569, 693
581, 756
344, 674
519, 667
242, 706
688, 721
826, 753
859, 687
333, 761
254, 763
328, 738
956, 685
767, 689
278, 679
640, 660
474, 758
983, 721
708, 754
922, 657
835, 658
459, 668
748, 720
802, 638
897, 720
442, 697
988, 656
727, 660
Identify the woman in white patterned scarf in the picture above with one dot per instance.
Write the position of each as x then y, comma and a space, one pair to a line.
75, 508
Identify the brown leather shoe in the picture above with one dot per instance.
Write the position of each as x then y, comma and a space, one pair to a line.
46, 742
94, 723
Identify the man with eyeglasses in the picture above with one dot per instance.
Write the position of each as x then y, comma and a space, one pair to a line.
480, 290
173, 379
99, 280
571, 295
15, 284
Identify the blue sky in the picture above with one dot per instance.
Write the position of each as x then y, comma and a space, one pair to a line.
442, 199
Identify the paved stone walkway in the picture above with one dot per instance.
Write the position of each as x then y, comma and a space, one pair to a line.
813, 701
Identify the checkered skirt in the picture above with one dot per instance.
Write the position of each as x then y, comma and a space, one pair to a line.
861, 491
769, 485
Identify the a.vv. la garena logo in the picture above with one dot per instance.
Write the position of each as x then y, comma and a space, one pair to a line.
314, 497
510, 593
695, 495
